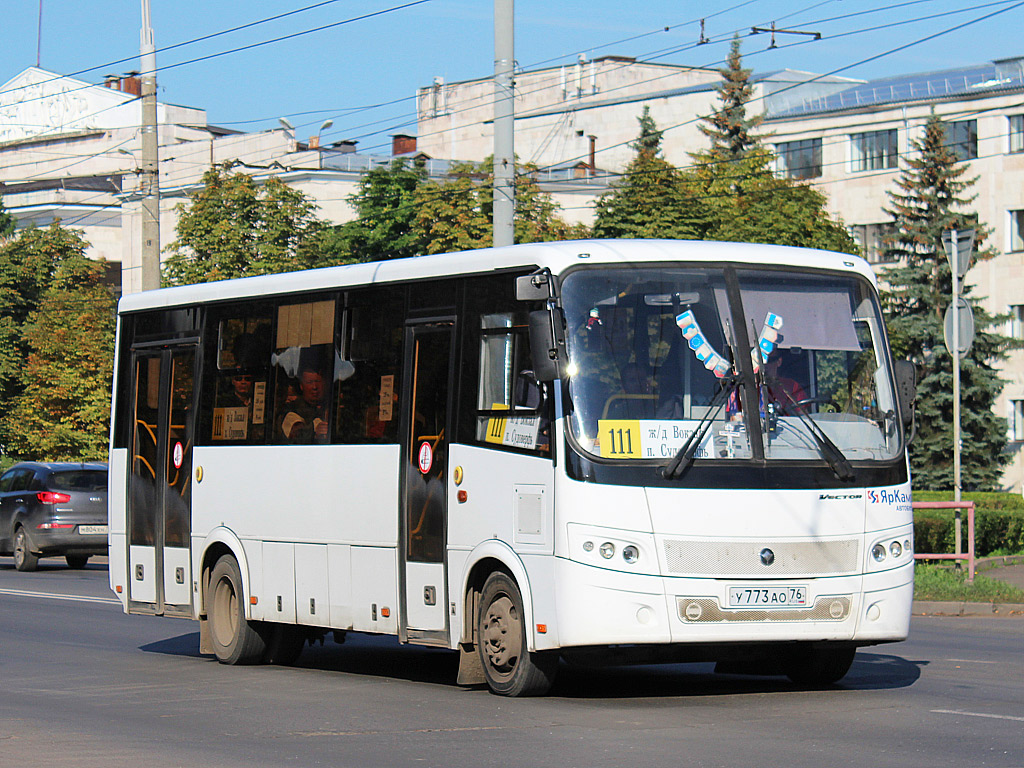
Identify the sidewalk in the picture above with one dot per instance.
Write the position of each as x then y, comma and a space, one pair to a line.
1009, 570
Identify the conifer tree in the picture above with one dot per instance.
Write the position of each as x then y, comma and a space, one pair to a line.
7, 222
729, 128
932, 195
655, 199
747, 201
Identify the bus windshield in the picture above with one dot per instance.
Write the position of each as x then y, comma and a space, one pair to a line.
654, 357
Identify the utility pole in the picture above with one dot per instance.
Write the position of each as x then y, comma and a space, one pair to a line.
504, 116
150, 167
958, 330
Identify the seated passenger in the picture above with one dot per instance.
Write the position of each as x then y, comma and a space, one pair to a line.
305, 418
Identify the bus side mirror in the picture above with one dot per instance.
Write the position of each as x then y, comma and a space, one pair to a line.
547, 343
906, 390
535, 287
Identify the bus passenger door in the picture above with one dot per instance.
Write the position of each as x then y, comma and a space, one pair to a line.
423, 527
159, 484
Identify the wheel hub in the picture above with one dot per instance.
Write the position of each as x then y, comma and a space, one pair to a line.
502, 635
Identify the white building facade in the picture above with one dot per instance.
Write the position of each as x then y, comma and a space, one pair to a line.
845, 137
71, 151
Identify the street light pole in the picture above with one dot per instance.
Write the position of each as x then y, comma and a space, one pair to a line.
150, 166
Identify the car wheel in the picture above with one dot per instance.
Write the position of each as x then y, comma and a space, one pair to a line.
235, 641
76, 561
509, 667
24, 559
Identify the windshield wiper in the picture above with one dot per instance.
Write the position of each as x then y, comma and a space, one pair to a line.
829, 450
684, 456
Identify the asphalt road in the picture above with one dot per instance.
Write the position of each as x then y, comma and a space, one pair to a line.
82, 684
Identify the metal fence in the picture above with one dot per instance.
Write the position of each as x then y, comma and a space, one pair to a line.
959, 555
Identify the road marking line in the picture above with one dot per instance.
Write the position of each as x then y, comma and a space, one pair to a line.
977, 714
973, 661
53, 596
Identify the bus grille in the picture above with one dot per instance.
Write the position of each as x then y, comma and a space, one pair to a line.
704, 610
743, 558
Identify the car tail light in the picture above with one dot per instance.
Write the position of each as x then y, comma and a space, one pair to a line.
50, 497
54, 526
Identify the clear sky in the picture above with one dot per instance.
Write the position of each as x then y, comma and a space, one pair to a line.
363, 73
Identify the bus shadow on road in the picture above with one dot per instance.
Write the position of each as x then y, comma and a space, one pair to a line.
869, 672
385, 657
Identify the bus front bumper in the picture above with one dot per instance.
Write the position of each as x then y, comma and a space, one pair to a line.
605, 607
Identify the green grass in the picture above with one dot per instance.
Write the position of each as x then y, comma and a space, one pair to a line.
943, 583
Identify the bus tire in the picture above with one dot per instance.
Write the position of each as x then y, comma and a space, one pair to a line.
509, 668
24, 558
820, 666
234, 640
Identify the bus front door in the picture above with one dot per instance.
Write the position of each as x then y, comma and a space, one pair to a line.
425, 465
159, 485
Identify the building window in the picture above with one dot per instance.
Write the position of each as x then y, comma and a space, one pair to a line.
874, 151
871, 239
1015, 420
1016, 230
1016, 324
962, 139
1017, 133
800, 159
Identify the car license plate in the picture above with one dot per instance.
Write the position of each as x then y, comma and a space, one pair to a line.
768, 597
92, 529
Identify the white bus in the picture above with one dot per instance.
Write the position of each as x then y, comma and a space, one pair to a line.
635, 450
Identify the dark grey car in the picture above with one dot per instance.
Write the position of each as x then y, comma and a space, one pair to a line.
53, 508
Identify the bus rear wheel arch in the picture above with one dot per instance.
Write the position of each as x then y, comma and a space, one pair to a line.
509, 667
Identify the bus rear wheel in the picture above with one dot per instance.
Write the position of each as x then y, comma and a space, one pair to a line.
235, 641
509, 667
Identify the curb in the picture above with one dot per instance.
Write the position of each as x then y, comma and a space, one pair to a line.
965, 609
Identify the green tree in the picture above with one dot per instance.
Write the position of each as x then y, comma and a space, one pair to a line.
457, 213
751, 204
7, 222
385, 206
234, 227
735, 178
932, 195
63, 411
729, 128
56, 347
654, 198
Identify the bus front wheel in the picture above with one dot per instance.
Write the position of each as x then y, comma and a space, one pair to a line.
509, 667
234, 639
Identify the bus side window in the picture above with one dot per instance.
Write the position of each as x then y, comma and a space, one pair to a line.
368, 367
235, 406
512, 406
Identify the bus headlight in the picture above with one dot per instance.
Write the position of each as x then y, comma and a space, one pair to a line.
607, 550
878, 552
896, 549
630, 554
